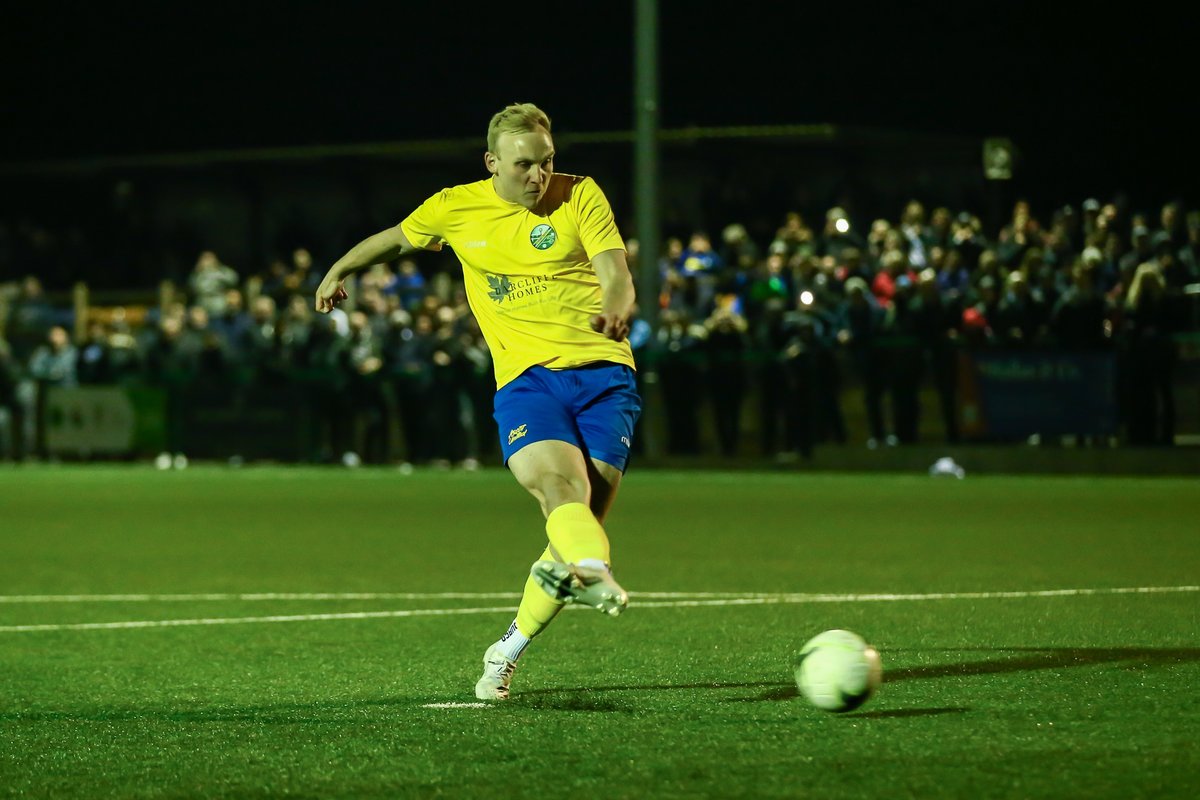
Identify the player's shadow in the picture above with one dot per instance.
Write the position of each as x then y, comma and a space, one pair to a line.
577, 699
656, 687
574, 699
321, 712
564, 700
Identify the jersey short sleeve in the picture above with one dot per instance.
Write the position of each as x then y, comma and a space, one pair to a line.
424, 227
597, 227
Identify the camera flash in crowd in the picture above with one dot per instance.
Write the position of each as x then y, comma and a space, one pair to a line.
842, 225
806, 297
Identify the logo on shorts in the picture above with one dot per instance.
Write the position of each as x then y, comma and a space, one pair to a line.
625, 441
543, 237
516, 433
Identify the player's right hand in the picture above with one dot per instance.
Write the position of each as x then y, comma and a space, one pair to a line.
613, 326
331, 292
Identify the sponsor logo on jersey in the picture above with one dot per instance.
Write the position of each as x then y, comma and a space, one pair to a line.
502, 287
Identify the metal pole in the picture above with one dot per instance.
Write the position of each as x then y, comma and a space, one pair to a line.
646, 204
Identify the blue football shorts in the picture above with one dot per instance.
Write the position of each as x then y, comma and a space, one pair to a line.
593, 407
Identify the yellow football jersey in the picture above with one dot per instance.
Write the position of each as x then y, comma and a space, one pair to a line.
528, 273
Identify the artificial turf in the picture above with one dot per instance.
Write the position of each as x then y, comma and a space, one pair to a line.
686, 695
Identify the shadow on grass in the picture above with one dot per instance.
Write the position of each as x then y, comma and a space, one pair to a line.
1037, 658
565, 700
582, 699
1027, 659
656, 687
571, 699
900, 713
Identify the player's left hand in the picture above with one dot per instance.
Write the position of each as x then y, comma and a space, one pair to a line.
613, 326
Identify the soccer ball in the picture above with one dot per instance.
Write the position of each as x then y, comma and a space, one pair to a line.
838, 671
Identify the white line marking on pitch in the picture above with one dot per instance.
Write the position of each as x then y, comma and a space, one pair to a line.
260, 596
171, 623
760, 599
767, 597
457, 705
328, 596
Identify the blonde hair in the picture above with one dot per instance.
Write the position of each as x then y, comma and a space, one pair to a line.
515, 118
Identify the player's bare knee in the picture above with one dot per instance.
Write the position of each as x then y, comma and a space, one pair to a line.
559, 489
552, 489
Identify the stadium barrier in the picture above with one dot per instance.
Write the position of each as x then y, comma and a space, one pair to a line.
1014, 395
1002, 396
87, 421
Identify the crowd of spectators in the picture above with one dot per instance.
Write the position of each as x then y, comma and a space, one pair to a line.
901, 299
404, 374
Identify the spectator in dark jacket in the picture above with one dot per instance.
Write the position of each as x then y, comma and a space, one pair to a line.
1151, 411
861, 326
1021, 315
1078, 319
11, 412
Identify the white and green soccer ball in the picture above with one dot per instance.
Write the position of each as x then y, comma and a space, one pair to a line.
838, 671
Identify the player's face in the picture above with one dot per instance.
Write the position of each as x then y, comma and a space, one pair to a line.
522, 166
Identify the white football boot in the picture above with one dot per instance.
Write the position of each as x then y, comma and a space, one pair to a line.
497, 675
587, 586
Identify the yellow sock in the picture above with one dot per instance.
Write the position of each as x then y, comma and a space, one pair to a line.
537, 608
575, 534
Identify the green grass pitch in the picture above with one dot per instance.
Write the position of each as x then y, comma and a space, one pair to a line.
689, 694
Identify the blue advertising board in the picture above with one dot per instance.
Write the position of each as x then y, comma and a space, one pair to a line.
1012, 395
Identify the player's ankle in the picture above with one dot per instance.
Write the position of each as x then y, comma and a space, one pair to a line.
512, 643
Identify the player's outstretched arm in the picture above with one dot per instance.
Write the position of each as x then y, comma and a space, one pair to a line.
616, 294
383, 246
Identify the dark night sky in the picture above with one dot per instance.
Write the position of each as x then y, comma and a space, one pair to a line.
1093, 97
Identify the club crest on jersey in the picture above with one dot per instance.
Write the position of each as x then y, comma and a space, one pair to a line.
543, 237
517, 433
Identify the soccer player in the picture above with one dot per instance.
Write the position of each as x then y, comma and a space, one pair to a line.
547, 279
